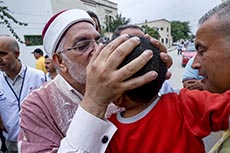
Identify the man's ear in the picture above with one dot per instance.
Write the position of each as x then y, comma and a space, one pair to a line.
59, 62
17, 53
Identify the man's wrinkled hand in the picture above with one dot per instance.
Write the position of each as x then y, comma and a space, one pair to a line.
105, 82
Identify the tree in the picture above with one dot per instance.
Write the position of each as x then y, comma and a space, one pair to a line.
180, 30
6, 19
112, 23
151, 31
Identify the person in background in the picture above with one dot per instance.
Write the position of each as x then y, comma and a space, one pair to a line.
2, 139
191, 79
51, 70
212, 58
132, 30
96, 20
73, 44
180, 47
40, 63
97, 26
16, 82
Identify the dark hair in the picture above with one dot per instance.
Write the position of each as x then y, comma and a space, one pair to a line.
46, 56
148, 91
93, 15
39, 51
118, 31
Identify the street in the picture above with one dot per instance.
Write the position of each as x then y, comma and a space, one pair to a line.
176, 69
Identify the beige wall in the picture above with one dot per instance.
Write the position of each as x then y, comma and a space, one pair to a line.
101, 8
164, 28
58, 5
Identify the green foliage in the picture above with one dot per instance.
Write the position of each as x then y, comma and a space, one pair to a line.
180, 30
151, 31
6, 19
192, 36
33, 40
112, 23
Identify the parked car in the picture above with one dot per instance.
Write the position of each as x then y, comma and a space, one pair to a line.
188, 53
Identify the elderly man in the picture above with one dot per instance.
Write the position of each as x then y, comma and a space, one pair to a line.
16, 82
70, 38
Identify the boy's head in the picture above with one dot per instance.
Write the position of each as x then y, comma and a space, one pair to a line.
148, 91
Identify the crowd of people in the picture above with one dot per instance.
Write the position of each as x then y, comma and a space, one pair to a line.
89, 97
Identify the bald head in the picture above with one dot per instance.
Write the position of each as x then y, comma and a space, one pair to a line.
8, 43
9, 54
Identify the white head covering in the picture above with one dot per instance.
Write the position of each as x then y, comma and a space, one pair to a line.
58, 24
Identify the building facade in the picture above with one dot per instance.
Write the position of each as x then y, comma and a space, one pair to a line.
103, 9
37, 12
163, 27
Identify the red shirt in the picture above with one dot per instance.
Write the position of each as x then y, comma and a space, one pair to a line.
176, 124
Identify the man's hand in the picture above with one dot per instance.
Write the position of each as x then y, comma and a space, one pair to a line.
193, 84
164, 55
105, 82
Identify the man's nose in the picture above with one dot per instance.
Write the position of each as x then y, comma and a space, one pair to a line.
196, 62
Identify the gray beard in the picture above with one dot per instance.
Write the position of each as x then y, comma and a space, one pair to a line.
77, 72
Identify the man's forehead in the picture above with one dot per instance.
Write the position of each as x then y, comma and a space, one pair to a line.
48, 60
4, 45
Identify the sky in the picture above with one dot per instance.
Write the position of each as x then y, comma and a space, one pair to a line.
183, 10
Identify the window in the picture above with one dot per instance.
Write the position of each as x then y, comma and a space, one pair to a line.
162, 29
162, 40
108, 11
33, 40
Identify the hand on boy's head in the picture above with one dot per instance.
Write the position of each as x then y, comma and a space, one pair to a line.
105, 82
142, 94
156, 43
164, 55
166, 59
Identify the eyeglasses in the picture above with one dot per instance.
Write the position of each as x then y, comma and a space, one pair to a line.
82, 46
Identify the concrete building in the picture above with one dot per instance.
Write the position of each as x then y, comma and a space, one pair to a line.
163, 26
102, 8
37, 12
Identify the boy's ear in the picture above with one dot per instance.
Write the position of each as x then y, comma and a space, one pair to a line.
121, 101
118, 101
